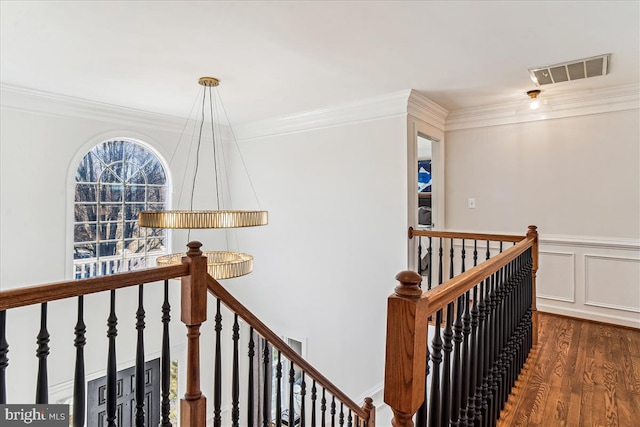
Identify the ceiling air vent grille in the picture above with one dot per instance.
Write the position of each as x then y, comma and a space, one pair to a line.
572, 70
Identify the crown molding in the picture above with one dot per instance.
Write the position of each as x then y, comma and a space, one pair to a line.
53, 105
421, 107
406, 102
374, 108
595, 101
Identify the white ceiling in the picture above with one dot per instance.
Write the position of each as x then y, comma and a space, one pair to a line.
279, 58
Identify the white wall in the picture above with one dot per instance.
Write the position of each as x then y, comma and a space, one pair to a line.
325, 264
578, 180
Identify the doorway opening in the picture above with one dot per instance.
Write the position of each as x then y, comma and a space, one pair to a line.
425, 185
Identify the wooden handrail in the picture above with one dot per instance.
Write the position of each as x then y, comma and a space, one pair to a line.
461, 235
449, 291
30, 295
235, 306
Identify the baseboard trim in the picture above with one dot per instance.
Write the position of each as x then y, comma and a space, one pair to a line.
591, 316
599, 322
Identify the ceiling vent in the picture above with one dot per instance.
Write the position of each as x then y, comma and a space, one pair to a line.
572, 70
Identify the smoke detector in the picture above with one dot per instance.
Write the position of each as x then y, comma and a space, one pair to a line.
572, 70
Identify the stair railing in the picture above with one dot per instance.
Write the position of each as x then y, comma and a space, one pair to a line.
195, 284
480, 324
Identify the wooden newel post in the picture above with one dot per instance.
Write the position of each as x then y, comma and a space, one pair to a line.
532, 232
370, 409
193, 408
406, 358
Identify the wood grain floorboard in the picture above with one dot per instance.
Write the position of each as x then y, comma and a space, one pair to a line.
581, 374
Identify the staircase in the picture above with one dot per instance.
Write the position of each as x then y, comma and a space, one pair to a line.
457, 371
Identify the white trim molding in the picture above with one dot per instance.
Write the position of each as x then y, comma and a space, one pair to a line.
582, 103
54, 105
591, 242
375, 108
571, 267
588, 298
421, 107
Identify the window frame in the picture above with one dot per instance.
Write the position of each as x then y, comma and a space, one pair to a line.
122, 261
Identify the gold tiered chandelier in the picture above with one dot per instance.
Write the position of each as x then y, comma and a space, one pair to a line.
220, 264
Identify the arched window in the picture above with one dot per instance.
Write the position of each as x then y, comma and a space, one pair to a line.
114, 181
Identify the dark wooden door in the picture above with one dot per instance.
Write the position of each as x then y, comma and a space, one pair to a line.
125, 393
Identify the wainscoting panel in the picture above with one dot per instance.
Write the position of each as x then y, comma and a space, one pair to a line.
590, 278
603, 273
556, 276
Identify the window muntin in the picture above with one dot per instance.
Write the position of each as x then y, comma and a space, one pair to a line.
114, 181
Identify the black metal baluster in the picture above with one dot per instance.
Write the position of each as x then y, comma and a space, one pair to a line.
323, 409
527, 303
235, 376
279, 390
493, 352
475, 253
349, 419
466, 361
503, 326
497, 362
513, 324
473, 359
292, 381
516, 314
456, 377
217, 371
112, 392
420, 255
488, 354
488, 251
140, 377
165, 407
480, 340
79, 392
250, 386
303, 394
4, 360
463, 256
436, 359
451, 255
42, 384
447, 334
265, 387
314, 397
518, 320
341, 418
333, 411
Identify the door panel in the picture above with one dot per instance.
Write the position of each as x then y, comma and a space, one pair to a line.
125, 395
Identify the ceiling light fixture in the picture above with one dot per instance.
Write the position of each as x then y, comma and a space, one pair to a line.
534, 103
221, 264
536, 106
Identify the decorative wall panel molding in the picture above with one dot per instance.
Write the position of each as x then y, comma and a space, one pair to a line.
604, 273
556, 278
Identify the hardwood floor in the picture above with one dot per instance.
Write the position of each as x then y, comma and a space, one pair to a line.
581, 374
